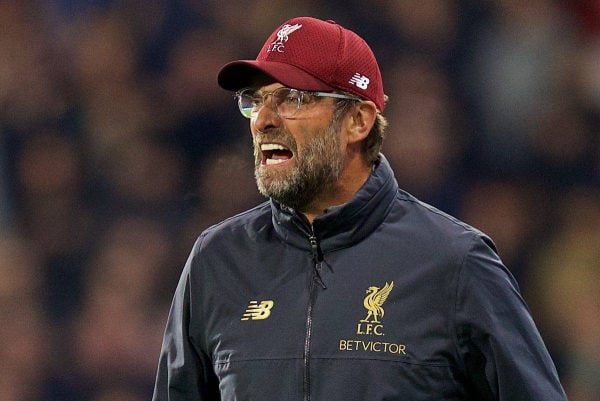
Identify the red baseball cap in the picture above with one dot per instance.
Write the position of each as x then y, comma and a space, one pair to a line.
310, 54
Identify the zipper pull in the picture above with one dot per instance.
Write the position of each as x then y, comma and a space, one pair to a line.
318, 277
314, 246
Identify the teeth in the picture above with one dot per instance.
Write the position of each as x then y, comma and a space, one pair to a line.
275, 161
272, 146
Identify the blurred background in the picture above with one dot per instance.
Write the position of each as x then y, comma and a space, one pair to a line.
117, 148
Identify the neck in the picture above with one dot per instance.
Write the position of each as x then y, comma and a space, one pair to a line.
353, 176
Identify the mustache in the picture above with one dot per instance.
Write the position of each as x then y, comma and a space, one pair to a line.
276, 136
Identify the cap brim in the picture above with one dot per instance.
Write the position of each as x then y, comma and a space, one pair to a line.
241, 74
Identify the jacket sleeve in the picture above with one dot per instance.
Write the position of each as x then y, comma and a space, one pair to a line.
503, 354
184, 371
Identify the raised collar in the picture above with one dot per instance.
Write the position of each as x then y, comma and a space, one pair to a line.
343, 225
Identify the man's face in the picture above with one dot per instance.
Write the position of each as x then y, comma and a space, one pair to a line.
296, 159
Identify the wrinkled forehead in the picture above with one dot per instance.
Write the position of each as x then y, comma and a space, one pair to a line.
268, 87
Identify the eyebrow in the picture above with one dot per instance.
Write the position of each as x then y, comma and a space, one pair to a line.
260, 91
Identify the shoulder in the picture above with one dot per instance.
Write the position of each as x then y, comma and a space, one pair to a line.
233, 237
245, 225
431, 224
474, 252
469, 254
430, 214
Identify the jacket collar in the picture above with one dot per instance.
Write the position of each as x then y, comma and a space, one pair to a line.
344, 225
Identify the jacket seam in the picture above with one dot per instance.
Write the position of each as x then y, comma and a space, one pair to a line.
441, 365
202, 342
433, 210
235, 217
256, 359
453, 323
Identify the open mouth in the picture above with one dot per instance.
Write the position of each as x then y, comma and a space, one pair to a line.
274, 153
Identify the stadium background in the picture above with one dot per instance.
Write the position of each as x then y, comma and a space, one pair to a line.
117, 148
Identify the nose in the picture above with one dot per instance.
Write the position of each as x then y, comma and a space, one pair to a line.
266, 118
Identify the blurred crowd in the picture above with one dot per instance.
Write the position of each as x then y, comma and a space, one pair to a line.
117, 148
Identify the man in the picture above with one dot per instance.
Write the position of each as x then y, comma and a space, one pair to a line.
342, 286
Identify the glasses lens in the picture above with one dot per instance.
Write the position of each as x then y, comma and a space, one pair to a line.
249, 102
287, 101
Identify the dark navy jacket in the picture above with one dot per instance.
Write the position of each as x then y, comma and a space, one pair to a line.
383, 298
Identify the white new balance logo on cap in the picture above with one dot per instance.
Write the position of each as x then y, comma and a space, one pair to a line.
360, 81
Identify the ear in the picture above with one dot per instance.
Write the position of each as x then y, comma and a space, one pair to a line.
360, 120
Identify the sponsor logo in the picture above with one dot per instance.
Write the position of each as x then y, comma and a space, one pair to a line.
282, 36
372, 326
258, 311
372, 346
360, 81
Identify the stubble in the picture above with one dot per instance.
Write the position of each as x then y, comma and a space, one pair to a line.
317, 167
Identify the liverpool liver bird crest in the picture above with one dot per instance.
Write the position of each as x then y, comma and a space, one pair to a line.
374, 300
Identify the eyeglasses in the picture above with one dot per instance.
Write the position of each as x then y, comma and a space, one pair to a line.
286, 102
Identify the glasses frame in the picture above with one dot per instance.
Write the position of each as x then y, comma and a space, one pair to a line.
300, 100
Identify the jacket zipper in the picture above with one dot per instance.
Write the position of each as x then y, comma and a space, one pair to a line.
316, 279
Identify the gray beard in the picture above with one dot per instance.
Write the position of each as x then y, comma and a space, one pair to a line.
316, 168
